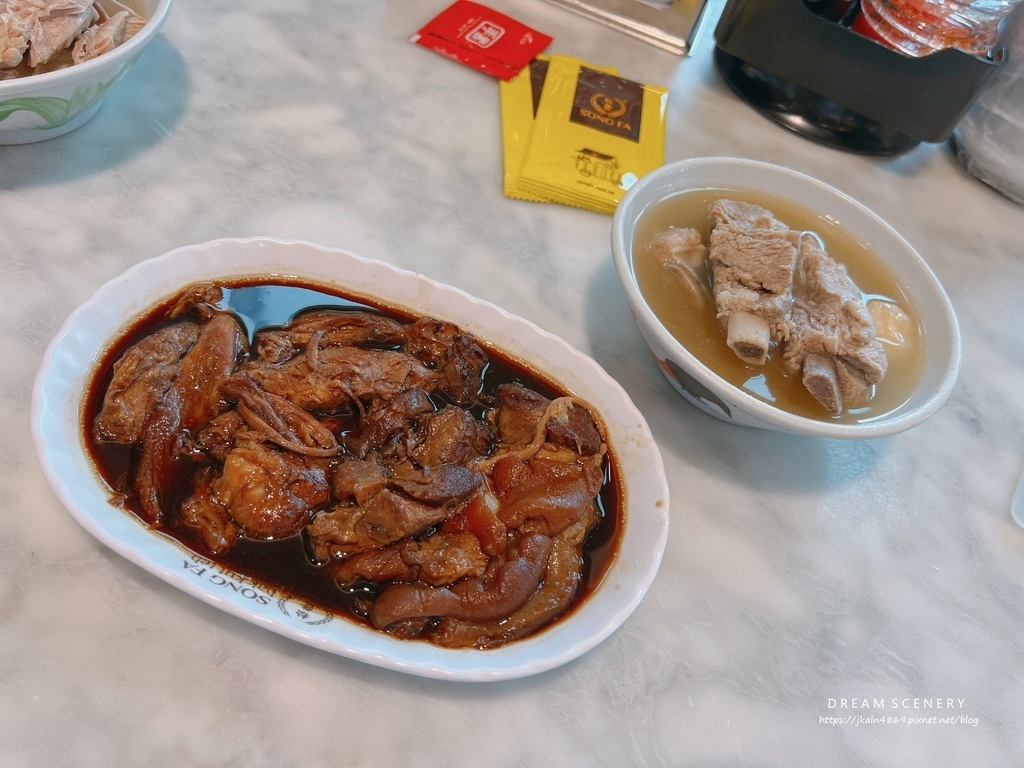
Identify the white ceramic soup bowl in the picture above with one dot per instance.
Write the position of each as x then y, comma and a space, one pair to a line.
48, 105
699, 385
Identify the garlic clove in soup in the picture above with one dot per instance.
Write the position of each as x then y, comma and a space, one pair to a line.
892, 325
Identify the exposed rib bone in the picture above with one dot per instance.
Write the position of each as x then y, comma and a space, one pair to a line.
822, 381
748, 336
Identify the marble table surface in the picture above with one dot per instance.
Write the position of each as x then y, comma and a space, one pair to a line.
817, 600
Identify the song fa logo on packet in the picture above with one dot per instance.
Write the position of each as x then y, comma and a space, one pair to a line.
482, 38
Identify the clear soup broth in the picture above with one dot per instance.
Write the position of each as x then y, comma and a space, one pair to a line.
697, 328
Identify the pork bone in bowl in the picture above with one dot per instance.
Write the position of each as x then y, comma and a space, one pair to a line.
34, 107
82, 346
673, 293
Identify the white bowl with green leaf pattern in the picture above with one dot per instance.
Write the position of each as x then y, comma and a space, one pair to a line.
51, 104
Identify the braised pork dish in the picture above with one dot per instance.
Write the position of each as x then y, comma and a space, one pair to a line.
770, 302
385, 468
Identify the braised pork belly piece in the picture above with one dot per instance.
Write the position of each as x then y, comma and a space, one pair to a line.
331, 329
193, 399
454, 512
333, 377
141, 377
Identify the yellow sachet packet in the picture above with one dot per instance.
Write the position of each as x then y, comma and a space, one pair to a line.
595, 134
519, 100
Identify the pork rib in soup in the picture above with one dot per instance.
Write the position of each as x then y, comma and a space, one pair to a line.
788, 321
38, 36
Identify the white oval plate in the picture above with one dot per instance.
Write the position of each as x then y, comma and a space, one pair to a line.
93, 327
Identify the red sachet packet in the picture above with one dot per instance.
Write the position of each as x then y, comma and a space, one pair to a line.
482, 38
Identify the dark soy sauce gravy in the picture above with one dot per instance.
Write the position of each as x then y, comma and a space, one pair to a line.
284, 568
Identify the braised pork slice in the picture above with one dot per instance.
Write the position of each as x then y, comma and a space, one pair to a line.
456, 356
506, 585
277, 420
435, 485
449, 435
551, 494
438, 560
392, 419
428, 340
332, 328
832, 342
270, 493
158, 464
358, 480
480, 517
208, 517
520, 411
205, 369
460, 375
753, 255
327, 379
521, 421
193, 400
142, 375
218, 437
382, 519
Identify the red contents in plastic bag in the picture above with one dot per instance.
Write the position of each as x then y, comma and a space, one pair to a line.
482, 38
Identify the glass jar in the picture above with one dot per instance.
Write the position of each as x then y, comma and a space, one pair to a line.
919, 27
989, 141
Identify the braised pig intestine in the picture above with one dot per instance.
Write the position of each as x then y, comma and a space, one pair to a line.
471, 526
